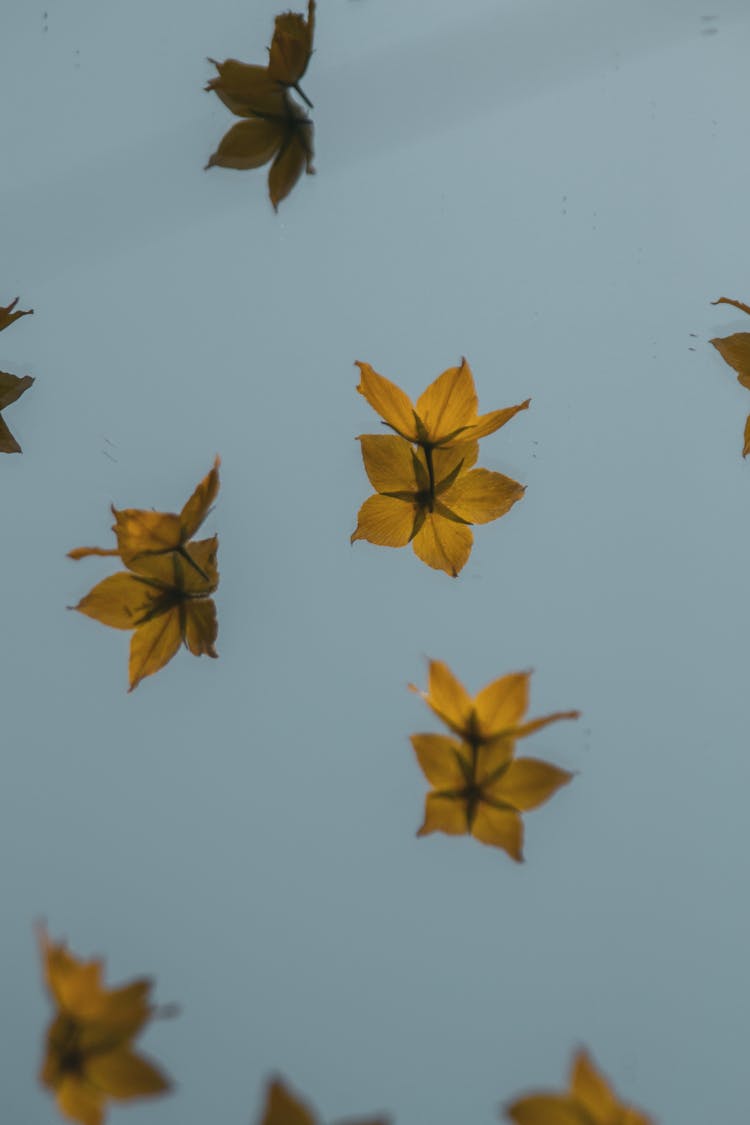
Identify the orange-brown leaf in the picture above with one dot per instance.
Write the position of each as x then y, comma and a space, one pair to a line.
11, 388
7, 315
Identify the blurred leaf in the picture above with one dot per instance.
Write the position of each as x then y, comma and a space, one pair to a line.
590, 1101
89, 1057
285, 1108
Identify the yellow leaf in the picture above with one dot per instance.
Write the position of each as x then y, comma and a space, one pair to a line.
590, 1101
735, 350
481, 496
438, 756
546, 1109
282, 1107
386, 522
153, 644
500, 828
144, 532
89, 1054
479, 788
165, 600
527, 783
291, 46
247, 90
123, 1075
423, 494
443, 814
445, 413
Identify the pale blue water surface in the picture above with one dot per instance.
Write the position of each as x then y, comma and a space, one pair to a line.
557, 191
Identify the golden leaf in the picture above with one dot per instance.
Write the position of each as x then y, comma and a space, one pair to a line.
478, 787
428, 497
142, 532
89, 1057
445, 414
282, 1107
590, 1101
166, 600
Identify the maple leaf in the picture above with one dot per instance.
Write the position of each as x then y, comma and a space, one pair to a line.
445, 414
479, 787
7, 315
89, 1057
165, 600
285, 137
735, 350
429, 497
284, 1108
141, 532
590, 1101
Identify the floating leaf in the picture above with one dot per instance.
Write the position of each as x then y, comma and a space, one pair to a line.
276, 129
291, 46
282, 1107
142, 532
590, 1101
735, 350
478, 787
445, 414
287, 139
7, 315
429, 497
11, 386
89, 1057
165, 600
